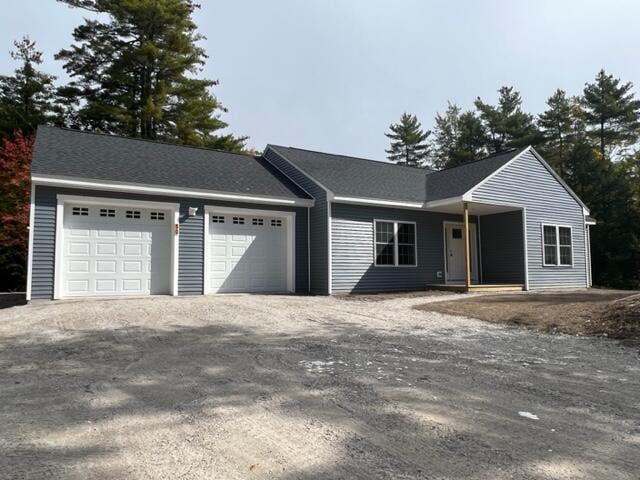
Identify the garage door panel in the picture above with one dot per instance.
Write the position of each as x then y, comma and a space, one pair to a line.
246, 257
113, 254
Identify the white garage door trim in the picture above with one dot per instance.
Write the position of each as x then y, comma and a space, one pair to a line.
291, 244
117, 202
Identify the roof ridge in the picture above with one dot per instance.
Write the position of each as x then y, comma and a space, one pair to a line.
488, 157
157, 142
379, 162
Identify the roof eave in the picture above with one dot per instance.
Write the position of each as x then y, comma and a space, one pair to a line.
96, 184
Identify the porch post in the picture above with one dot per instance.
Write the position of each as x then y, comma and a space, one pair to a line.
467, 248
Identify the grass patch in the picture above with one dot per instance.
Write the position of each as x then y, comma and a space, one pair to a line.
610, 313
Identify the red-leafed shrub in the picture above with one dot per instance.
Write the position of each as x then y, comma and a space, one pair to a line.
15, 190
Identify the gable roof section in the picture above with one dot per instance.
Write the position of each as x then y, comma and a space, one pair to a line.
358, 177
90, 156
370, 179
456, 181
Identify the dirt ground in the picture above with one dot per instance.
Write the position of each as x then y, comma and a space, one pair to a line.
277, 387
612, 313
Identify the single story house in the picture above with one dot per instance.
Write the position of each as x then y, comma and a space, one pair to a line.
120, 216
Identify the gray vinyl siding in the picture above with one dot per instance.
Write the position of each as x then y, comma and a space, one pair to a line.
191, 242
318, 222
353, 266
502, 248
526, 182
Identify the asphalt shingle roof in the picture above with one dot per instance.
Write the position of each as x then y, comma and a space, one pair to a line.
72, 153
357, 177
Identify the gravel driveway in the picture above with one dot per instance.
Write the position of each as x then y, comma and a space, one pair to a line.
276, 387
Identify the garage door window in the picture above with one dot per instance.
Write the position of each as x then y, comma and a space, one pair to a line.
80, 211
238, 220
132, 214
257, 221
217, 219
107, 212
157, 215
276, 223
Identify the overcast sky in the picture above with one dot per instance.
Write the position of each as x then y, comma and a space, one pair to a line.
332, 75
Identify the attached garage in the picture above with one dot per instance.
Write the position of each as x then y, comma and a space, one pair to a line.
249, 251
110, 248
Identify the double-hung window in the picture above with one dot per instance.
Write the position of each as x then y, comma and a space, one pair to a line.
557, 246
395, 243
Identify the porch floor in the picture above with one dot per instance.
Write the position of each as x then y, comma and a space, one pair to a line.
502, 287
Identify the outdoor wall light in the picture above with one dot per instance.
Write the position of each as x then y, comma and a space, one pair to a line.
193, 211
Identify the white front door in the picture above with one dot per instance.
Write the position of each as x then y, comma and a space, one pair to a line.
247, 253
454, 252
110, 250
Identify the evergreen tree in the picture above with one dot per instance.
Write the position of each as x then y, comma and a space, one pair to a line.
458, 137
612, 114
408, 142
134, 73
557, 126
506, 124
27, 98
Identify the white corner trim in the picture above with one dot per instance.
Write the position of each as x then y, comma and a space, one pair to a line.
32, 218
175, 243
378, 202
57, 275
329, 250
526, 248
291, 239
60, 181
62, 199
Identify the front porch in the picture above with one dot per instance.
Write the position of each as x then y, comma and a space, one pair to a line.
486, 250
507, 287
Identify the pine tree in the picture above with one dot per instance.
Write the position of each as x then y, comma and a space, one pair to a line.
612, 114
408, 142
506, 124
135, 73
557, 126
27, 98
458, 137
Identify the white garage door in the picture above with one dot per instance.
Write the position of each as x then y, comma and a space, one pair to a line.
110, 250
247, 253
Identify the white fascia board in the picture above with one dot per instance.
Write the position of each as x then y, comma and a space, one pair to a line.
379, 202
590, 222
58, 181
447, 201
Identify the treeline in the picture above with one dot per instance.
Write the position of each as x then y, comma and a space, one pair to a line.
590, 139
134, 70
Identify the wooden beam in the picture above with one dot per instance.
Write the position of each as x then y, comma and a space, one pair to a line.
467, 248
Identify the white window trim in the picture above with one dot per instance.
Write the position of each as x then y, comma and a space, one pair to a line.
557, 228
63, 199
291, 243
395, 243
